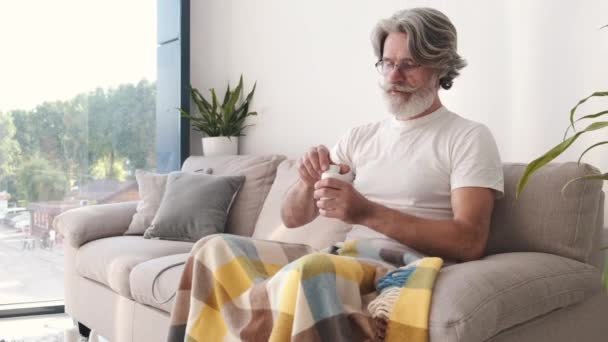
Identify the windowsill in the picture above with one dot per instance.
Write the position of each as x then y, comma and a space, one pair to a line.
30, 309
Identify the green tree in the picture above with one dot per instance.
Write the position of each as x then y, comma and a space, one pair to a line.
112, 129
9, 149
74, 139
137, 136
122, 125
55, 130
26, 132
102, 169
37, 180
101, 121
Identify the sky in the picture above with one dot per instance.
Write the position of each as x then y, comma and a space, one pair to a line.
54, 50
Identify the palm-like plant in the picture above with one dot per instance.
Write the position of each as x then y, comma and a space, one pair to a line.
553, 153
557, 150
548, 156
217, 119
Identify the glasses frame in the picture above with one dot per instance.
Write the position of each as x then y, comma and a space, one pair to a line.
402, 68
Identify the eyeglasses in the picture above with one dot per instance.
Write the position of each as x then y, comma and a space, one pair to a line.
385, 67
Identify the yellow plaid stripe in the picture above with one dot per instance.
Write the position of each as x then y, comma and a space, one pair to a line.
208, 317
410, 315
349, 248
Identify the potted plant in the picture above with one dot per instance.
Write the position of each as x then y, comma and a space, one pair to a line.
221, 122
554, 152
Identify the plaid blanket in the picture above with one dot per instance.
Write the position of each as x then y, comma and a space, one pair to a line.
235, 288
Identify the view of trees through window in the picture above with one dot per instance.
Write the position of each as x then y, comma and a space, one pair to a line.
78, 140
58, 149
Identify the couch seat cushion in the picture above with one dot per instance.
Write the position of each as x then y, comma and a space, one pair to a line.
109, 261
164, 274
474, 301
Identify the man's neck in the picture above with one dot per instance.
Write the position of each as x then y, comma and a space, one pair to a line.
436, 105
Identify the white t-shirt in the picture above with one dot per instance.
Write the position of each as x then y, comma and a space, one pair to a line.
413, 166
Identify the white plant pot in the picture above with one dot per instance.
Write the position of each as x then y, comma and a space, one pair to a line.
220, 146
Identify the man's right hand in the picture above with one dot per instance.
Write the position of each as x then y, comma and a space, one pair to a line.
299, 206
313, 164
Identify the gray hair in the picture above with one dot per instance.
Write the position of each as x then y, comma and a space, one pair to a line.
432, 40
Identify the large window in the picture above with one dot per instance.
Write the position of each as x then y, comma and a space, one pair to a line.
77, 118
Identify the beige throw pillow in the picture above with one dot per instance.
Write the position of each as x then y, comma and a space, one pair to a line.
151, 190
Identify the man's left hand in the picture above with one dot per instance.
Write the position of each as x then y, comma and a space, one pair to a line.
338, 199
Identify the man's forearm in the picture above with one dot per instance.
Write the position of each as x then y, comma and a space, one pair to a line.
299, 206
445, 238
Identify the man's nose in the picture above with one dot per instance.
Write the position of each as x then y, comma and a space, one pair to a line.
394, 75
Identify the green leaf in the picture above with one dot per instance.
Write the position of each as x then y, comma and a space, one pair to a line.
553, 153
194, 121
214, 100
590, 116
597, 93
589, 148
242, 113
226, 96
217, 117
204, 130
236, 94
542, 161
566, 132
603, 176
220, 119
250, 95
202, 104
185, 114
247, 100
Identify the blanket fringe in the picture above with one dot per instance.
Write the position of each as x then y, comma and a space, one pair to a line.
389, 287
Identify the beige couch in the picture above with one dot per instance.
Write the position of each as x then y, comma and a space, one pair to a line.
539, 281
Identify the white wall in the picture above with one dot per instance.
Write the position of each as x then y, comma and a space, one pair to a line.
529, 63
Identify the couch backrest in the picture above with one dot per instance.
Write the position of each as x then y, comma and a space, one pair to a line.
259, 172
541, 220
545, 220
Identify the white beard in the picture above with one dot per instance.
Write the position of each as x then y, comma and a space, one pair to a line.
404, 108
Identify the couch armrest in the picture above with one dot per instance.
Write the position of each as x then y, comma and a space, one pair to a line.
478, 299
85, 224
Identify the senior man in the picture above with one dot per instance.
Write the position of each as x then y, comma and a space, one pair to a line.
425, 183
425, 177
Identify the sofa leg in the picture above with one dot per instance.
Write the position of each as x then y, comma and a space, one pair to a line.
84, 330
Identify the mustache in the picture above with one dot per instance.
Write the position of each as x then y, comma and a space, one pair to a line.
397, 87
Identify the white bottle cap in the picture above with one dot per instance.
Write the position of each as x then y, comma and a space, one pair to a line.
334, 169
334, 172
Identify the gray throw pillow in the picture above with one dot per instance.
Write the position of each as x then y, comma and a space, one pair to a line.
194, 206
151, 190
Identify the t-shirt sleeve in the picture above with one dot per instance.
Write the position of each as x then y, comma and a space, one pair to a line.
342, 151
476, 162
